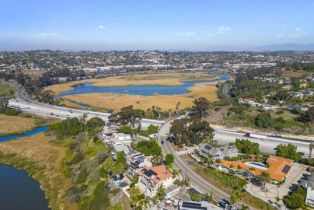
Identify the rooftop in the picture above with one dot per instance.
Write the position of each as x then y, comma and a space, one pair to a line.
278, 167
158, 173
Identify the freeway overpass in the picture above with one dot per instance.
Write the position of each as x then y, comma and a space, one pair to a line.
222, 135
46, 110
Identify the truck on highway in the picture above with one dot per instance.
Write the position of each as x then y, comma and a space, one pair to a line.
254, 135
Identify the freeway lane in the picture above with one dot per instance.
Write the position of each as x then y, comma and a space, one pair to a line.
222, 136
47, 110
267, 144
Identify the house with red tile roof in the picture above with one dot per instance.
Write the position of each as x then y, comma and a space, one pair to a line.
152, 178
278, 167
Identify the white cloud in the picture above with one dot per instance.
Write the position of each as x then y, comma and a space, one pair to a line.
223, 29
101, 27
220, 30
297, 29
185, 34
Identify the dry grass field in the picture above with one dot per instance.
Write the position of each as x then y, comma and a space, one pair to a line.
38, 152
297, 74
165, 102
15, 124
136, 79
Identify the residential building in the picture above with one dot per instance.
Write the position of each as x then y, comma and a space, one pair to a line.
277, 170
136, 162
152, 178
308, 184
217, 153
202, 205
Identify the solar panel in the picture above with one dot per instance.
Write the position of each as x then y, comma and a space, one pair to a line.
286, 169
149, 173
190, 205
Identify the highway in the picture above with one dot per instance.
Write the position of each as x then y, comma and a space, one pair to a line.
30, 106
222, 135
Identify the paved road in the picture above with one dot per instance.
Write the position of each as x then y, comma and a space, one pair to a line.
45, 110
196, 181
222, 136
266, 143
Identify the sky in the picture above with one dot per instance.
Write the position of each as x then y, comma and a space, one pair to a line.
154, 24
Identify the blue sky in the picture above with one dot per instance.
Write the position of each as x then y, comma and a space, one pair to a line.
154, 24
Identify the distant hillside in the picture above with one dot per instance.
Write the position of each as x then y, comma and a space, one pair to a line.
286, 47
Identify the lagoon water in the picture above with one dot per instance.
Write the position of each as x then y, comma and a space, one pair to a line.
18, 191
25, 134
145, 90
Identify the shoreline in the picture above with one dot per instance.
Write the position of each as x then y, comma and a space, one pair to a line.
173, 79
41, 160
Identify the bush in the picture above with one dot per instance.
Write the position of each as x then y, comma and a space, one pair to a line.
11, 112
247, 147
148, 148
295, 199
125, 129
169, 159
152, 129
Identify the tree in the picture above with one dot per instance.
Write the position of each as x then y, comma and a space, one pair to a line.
125, 129
46, 96
308, 116
148, 148
152, 129
247, 147
263, 120
311, 147
169, 159
196, 197
282, 95
160, 194
3, 105
288, 151
200, 107
295, 199
127, 116
191, 131
264, 177
137, 198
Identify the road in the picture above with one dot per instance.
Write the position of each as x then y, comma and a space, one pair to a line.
222, 136
266, 143
46, 110
196, 181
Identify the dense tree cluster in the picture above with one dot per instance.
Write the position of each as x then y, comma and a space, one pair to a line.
191, 131
200, 107
127, 116
73, 126
296, 199
149, 148
288, 151
247, 147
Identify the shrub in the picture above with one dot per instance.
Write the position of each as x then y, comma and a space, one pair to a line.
11, 112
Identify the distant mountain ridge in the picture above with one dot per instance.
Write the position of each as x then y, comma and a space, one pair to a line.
286, 47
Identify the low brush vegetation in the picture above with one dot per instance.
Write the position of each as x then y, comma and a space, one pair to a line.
72, 166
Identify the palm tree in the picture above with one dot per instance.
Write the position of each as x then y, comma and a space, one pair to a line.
264, 177
311, 147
